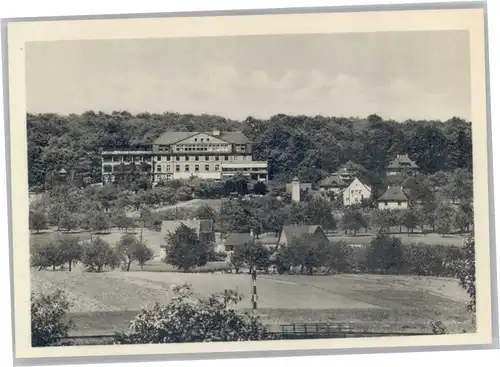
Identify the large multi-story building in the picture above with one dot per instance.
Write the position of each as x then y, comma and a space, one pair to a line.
181, 155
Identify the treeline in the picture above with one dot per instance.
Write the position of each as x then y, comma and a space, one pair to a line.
383, 255
95, 254
309, 147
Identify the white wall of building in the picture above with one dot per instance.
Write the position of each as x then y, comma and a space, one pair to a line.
356, 192
392, 205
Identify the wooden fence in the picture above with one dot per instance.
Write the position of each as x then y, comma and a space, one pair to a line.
337, 330
287, 331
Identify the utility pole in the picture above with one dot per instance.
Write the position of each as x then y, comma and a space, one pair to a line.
254, 291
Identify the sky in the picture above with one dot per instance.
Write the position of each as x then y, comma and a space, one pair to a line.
397, 75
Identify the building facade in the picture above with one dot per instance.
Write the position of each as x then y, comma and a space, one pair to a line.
333, 183
402, 165
289, 233
393, 199
356, 192
181, 155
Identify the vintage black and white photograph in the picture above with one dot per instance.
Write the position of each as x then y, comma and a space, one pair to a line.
256, 187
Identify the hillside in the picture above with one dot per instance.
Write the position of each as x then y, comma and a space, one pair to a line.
304, 146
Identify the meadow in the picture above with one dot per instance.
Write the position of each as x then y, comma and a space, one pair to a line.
105, 302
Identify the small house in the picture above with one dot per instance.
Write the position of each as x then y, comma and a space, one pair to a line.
234, 239
347, 171
333, 183
288, 233
393, 198
356, 192
402, 165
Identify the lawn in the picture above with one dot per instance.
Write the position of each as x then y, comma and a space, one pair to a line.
106, 302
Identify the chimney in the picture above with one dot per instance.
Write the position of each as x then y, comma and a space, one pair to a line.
216, 133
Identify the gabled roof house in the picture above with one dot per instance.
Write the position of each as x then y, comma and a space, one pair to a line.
288, 233
400, 165
394, 198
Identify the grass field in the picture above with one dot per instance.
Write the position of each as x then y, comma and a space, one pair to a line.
106, 302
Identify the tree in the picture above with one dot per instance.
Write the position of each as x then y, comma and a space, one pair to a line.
260, 188
353, 221
306, 251
384, 219
56, 212
143, 254
68, 221
318, 211
385, 254
98, 254
444, 219
49, 319
46, 254
191, 319
205, 212
98, 221
238, 216
120, 220
410, 220
184, 249
70, 250
459, 187
184, 193
238, 183
255, 255
37, 220
465, 270
462, 219
335, 256
126, 248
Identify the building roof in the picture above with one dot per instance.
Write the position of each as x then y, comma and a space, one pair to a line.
366, 186
394, 193
402, 161
333, 181
298, 231
349, 166
172, 137
238, 239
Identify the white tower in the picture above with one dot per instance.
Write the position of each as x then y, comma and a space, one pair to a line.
296, 190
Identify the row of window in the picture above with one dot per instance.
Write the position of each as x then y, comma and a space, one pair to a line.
201, 158
229, 169
202, 147
186, 168
116, 168
127, 158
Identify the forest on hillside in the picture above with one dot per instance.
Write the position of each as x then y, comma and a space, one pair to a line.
309, 147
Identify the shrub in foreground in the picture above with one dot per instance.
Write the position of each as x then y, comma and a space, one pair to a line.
188, 318
48, 319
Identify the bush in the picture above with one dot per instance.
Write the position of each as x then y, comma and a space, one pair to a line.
217, 256
191, 319
48, 319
